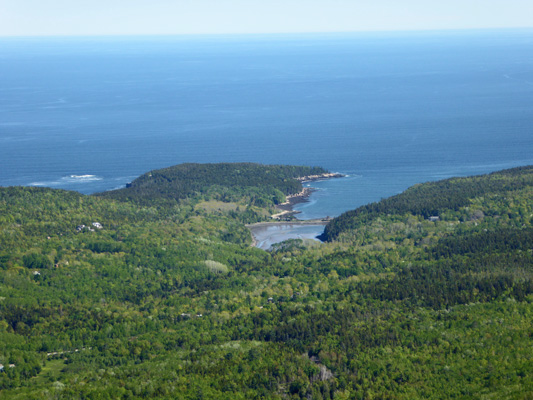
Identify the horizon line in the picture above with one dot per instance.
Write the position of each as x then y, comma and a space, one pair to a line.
257, 34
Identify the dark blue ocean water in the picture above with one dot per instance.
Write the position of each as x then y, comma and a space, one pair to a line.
390, 109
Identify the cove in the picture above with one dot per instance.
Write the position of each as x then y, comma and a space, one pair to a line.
267, 234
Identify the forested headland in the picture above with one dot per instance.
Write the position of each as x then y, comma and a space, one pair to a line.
261, 185
153, 291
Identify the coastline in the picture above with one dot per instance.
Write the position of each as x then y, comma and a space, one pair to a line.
265, 235
321, 177
286, 209
322, 221
287, 215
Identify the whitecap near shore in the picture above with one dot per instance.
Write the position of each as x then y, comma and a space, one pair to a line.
84, 178
68, 180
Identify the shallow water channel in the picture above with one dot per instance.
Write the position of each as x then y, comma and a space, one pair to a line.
267, 235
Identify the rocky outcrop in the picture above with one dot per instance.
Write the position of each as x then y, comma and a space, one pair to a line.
312, 178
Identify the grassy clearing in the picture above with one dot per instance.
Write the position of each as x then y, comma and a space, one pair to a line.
50, 372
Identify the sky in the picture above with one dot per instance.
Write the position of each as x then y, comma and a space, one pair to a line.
148, 17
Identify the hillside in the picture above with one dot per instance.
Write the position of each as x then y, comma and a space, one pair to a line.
167, 299
262, 185
443, 199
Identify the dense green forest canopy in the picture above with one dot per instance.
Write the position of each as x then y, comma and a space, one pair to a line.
225, 181
434, 198
155, 292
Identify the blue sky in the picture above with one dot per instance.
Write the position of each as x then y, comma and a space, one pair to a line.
134, 17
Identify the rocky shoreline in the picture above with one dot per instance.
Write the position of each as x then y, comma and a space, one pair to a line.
286, 209
321, 177
286, 214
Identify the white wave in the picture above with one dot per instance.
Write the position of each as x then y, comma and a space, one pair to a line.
68, 180
354, 176
44, 184
82, 178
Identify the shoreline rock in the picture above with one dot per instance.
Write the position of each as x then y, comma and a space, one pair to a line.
314, 178
286, 209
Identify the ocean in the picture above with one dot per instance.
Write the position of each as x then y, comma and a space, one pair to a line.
389, 110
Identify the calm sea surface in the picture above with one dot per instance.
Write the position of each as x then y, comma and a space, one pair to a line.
389, 110
266, 236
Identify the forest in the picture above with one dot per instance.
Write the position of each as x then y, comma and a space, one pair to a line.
261, 185
154, 291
